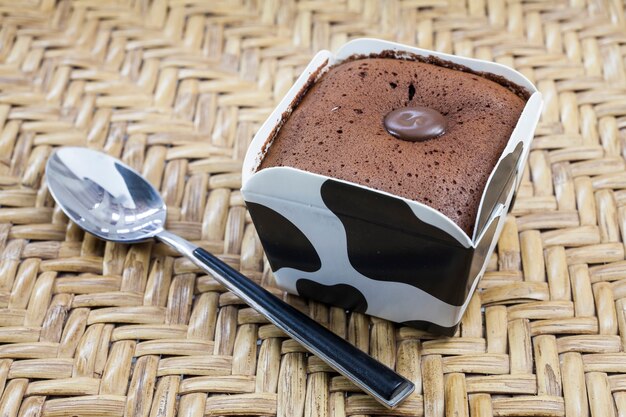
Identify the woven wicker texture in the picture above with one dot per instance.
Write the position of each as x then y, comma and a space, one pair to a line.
177, 91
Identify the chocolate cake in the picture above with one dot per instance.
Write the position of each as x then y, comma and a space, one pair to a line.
339, 129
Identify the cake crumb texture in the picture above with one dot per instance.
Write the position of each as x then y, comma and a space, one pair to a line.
337, 130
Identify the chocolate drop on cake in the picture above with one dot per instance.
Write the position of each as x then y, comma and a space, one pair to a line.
337, 130
415, 123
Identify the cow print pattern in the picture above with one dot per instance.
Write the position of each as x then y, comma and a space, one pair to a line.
369, 252
431, 327
341, 295
285, 245
387, 232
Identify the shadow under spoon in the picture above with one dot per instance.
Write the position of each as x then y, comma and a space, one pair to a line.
110, 200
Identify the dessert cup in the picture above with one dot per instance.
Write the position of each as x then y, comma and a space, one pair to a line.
368, 250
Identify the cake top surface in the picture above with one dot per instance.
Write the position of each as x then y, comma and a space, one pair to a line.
338, 130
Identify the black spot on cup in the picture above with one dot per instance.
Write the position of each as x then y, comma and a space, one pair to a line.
342, 295
286, 246
432, 327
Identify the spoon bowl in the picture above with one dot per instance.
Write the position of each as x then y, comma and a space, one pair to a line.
105, 197
114, 202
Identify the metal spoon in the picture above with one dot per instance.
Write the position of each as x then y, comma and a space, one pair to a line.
112, 201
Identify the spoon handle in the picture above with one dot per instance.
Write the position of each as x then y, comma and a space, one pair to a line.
381, 382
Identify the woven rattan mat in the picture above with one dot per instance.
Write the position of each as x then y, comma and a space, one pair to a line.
177, 90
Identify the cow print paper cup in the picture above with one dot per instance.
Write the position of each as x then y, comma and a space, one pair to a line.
370, 251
